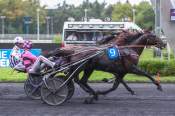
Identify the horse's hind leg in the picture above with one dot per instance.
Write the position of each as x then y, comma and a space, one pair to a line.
138, 71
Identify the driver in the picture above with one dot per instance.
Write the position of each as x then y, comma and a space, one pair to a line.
15, 55
31, 62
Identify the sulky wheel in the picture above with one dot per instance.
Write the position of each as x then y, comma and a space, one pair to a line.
71, 88
52, 93
70, 85
32, 86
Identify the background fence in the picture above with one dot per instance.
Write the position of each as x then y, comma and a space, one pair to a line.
43, 38
43, 46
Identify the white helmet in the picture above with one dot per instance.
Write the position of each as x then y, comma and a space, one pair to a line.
18, 40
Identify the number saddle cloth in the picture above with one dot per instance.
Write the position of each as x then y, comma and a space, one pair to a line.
116, 53
113, 53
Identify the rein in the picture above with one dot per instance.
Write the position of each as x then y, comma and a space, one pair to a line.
105, 47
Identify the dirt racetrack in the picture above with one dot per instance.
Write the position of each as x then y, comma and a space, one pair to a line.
147, 102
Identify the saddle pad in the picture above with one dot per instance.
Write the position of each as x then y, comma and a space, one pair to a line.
113, 53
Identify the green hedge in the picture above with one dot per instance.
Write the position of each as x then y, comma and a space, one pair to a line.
165, 67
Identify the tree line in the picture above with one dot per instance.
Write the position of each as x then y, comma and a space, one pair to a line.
15, 12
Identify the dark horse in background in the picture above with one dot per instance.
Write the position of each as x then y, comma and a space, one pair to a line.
126, 64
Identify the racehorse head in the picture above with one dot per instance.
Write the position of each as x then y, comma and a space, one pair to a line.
146, 39
152, 39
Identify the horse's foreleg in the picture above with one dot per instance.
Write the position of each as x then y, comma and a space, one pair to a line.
127, 87
138, 71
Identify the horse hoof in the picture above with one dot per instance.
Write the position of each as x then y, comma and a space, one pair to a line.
159, 88
88, 101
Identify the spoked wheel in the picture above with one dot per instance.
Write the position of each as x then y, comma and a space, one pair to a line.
71, 89
52, 93
70, 85
32, 87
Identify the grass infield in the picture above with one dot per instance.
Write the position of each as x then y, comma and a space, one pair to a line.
8, 75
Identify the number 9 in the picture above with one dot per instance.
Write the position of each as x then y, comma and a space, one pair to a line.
112, 52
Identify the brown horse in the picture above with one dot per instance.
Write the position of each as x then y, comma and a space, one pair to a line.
121, 38
126, 64
124, 37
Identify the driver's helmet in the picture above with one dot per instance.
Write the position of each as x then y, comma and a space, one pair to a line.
27, 44
18, 40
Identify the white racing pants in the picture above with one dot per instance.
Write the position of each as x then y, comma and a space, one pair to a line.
37, 65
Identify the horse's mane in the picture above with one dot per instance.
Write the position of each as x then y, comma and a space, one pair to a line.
120, 38
107, 38
134, 36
